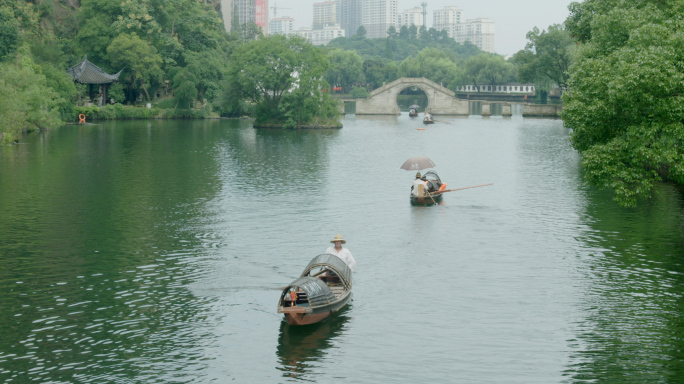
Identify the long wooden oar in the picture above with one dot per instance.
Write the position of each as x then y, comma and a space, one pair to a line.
458, 189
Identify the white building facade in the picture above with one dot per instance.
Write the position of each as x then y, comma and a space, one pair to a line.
377, 16
409, 17
281, 26
324, 14
446, 19
321, 36
479, 31
508, 88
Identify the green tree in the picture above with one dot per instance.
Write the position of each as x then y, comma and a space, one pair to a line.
9, 32
547, 56
361, 31
392, 32
404, 32
432, 64
141, 61
485, 69
346, 68
413, 32
27, 102
359, 93
625, 94
283, 77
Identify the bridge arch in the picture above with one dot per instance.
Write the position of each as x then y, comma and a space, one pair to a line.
383, 101
412, 92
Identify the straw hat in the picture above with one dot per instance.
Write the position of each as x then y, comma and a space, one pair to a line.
338, 238
418, 175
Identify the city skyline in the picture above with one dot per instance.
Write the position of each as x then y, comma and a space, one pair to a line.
513, 19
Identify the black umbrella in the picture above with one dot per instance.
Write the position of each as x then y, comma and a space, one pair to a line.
414, 106
416, 163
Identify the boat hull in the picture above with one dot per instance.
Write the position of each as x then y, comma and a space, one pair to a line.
298, 316
427, 200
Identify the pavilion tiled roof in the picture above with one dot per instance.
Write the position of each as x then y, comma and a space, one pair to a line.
86, 72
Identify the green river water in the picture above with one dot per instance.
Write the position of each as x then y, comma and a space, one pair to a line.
152, 252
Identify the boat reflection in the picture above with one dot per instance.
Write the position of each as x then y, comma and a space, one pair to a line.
300, 347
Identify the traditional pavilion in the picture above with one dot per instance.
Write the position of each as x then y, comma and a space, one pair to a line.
86, 72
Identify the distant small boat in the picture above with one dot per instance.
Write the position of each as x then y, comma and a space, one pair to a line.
428, 119
323, 288
413, 113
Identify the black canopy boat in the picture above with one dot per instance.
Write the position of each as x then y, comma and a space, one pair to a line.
323, 288
413, 112
427, 196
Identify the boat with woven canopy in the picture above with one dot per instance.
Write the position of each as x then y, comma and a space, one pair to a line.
322, 289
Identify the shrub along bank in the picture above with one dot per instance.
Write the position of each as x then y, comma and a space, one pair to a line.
123, 112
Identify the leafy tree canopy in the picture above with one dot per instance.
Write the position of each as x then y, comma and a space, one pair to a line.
27, 102
547, 57
626, 92
404, 45
432, 64
283, 76
346, 68
141, 62
487, 68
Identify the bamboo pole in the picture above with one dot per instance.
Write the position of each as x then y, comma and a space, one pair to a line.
458, 189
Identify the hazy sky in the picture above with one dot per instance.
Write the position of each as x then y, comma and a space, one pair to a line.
513, 19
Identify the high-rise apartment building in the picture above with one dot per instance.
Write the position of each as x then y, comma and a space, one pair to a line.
349, 15
281, 26
447, 19
409, 17
377, 16
245, 11
324, 14
479, 32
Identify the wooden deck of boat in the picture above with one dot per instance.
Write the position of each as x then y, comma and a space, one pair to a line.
337, 291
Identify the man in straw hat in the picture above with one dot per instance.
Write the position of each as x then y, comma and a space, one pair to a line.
342, 253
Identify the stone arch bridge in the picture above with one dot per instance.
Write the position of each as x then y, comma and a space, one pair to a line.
441, 101
383, 101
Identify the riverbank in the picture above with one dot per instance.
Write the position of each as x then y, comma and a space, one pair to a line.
124, 112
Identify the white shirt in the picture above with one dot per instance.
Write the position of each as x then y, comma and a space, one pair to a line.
345, 255
416, 183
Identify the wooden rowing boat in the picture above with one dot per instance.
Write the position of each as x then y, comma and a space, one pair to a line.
428, 195
323, 289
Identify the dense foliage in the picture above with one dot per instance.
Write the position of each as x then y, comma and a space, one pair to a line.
26, 101
414, 52
486, 68
546, 59
283, 77
625, 101
405, 44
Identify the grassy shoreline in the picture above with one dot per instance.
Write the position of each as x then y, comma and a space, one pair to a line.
123, 112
